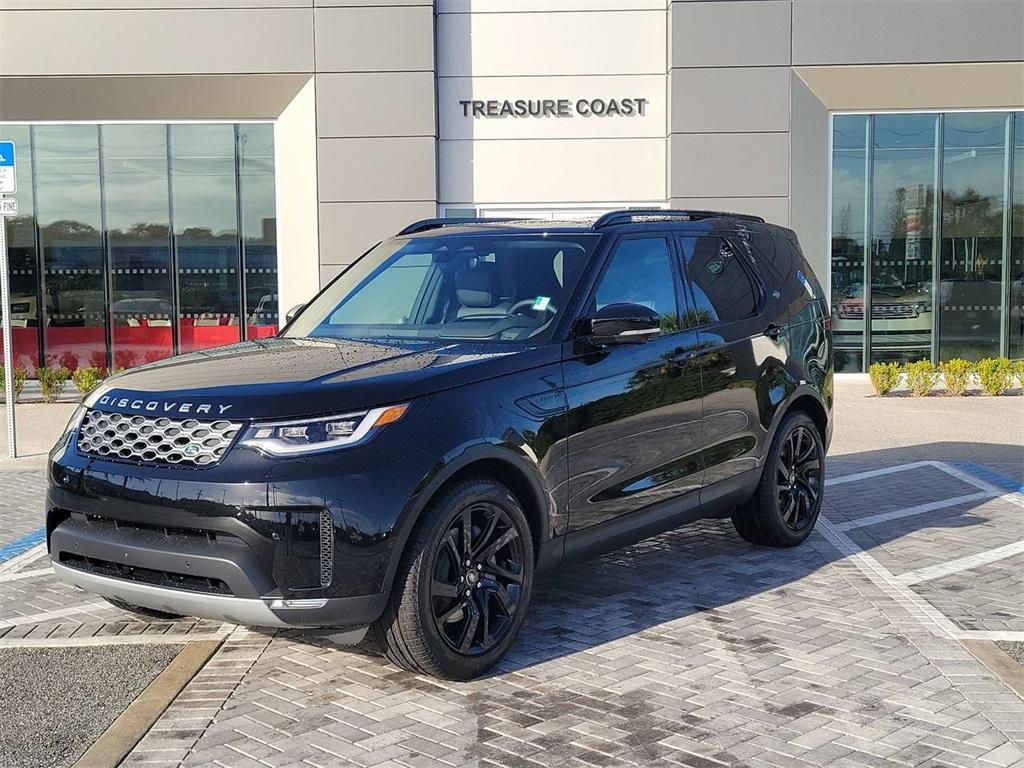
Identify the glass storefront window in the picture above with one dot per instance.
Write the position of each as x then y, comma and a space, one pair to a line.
973, 182
849, 179
205, 209
138, 236
903, 199
932, 191
1015, 272
138, 241
69, 211
259, 228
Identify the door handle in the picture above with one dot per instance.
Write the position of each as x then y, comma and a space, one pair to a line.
773, 331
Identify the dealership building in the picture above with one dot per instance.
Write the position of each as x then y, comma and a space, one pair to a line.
187, 169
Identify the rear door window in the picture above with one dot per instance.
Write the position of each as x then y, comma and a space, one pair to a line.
723, 291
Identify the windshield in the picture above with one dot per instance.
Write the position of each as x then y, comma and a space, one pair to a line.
507, 287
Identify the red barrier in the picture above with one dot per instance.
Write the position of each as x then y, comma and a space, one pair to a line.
78, 346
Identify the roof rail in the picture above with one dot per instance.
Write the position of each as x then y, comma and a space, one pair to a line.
627, 216
427, 224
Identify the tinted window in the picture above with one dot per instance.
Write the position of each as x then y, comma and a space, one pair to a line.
722, 289
505, 287
640, 272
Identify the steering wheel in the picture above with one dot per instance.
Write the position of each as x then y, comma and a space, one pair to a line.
528, 303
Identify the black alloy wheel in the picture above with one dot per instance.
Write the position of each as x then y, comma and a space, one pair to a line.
477, 579
798, 476
788, 499
463, 583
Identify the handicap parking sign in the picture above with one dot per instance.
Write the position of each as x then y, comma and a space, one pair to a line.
8, 177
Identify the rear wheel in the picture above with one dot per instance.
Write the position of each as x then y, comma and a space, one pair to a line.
149, 613
788, 500
463, 584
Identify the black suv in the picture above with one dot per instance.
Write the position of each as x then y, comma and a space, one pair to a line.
469, 404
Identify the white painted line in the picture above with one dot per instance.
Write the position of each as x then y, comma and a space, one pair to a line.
26, 557
927, 614
60, 613
18, 575
66, 642
919, 509
843, 479
962, 564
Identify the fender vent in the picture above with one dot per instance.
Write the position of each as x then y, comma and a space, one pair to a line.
326, 548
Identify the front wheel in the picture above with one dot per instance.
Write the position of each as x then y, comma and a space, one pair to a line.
463, 584
788, 500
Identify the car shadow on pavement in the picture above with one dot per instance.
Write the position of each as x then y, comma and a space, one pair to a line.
703, 567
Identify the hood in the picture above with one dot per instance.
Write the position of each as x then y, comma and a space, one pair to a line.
283, 378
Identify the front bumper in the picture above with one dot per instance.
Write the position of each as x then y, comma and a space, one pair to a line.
255, 612
278, 543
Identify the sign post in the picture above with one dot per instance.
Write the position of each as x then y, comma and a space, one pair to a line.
8, 186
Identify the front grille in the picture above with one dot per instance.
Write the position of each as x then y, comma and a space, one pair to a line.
157, 578
181, 442
113, 526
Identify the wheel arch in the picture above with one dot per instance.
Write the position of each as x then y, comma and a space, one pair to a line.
507, 467
813, 407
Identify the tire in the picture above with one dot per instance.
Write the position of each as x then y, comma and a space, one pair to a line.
786, 505
149, 613
429, 616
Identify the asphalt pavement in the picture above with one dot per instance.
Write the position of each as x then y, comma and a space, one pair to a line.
55, 702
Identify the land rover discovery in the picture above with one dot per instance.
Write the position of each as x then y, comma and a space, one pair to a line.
468, 405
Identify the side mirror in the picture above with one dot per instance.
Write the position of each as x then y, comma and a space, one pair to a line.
293, 312
624, 324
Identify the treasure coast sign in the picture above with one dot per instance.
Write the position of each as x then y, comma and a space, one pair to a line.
634, 107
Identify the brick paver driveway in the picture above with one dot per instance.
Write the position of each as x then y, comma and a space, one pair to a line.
692, 648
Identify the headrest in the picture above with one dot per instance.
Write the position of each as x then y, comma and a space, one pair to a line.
477, 286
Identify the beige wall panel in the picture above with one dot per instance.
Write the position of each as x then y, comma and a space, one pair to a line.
545, 6
376, 104
730, 165
809, 188
731, 33
553, 171
298, 263
772, 209
386, 39
156, 42
348, 229
730, 99
363, 3
366, 170
86, 5
179, 97
896, 31
455, 125
917, 86
591, 43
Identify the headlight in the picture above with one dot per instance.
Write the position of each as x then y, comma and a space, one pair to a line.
294, 438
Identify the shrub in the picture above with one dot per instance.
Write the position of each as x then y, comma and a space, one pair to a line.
52, 381
957, 375
1019, 368
921, 377
884, 377
87, 379
20, 376
995, 375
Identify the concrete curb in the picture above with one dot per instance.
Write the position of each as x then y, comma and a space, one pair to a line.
131, 725
999, 663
